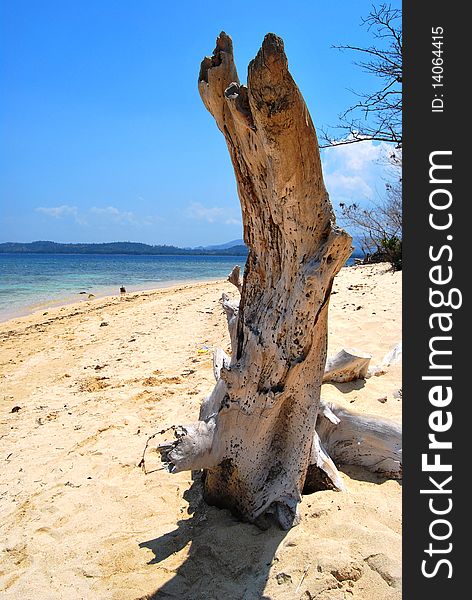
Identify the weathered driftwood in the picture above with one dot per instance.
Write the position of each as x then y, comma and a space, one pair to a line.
347, 365
256, 432
231, 309
220, 360
363, 440
353, 439
349, 439
235, 278
393, 357
340, 435
322, 472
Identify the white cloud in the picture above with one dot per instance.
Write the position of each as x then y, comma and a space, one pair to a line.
115, 214
58, 211
233, 221
351, 185
97, 215
214, 214
355, 172
357, 156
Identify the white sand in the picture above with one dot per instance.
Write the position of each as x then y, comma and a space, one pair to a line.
80, 520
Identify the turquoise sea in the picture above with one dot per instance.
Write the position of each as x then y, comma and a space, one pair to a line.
30, 282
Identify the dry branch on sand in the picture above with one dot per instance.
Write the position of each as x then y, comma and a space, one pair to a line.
255, 438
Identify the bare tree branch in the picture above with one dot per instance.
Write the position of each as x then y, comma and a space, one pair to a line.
377, 115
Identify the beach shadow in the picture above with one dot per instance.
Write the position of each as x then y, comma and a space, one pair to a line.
348, 386
227, 558
362, 474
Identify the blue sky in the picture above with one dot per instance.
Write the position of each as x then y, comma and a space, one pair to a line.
103, 136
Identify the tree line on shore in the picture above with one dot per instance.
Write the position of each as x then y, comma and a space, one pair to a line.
46, 247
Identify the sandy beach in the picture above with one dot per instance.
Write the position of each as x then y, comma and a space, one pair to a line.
85, 385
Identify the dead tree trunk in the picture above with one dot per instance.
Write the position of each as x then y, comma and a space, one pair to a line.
255, 434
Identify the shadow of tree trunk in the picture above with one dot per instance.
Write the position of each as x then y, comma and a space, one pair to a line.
227, 558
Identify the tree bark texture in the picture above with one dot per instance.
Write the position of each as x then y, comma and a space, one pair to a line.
255, 434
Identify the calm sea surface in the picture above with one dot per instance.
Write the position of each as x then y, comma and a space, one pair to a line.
30, 282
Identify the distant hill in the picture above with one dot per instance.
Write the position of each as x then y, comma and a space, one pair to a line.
46, 247
225, 246
233, 248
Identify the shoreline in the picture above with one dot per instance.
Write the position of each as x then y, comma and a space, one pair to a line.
101, 294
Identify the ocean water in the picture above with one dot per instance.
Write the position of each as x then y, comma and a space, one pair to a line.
31, 282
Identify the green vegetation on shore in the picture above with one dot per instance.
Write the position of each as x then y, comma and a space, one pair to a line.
137, 248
